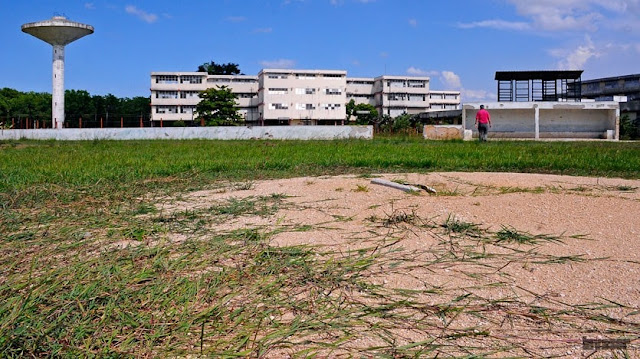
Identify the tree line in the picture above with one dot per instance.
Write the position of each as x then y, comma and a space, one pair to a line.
16, 105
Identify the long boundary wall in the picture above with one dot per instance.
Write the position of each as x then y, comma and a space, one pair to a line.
188, 133
548, 120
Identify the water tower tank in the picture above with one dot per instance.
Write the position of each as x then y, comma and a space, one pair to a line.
58, 32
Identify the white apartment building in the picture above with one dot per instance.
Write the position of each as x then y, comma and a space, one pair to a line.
312, 97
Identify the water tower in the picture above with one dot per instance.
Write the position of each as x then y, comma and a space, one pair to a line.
58, 31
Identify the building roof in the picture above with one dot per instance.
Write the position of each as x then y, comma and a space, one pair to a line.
538, 75
614, 78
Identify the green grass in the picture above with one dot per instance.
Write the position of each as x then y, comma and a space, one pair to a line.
24, 164
89, 264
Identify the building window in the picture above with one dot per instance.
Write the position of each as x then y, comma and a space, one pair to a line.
166, 94
450, 97
190, 79
417, 83
332, 75
360, 83
417, 98
610, 85
396, 83
306, 91
305, 106
632, 83
187, 109
277, 76
306, 76
166, 109
593, 87
189, 94
437, 96
278, 106
252, 81
330, 106
333, 91
218, 80
397, 97
278, 91
166, 79
246, 95
360, 95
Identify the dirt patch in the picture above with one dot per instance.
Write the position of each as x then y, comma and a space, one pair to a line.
533, 247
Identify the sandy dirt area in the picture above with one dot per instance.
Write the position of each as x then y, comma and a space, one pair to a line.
583, 246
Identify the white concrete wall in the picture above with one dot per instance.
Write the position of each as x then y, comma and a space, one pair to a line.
188, 133
547, 119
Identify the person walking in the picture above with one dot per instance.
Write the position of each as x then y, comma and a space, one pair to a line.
483, 122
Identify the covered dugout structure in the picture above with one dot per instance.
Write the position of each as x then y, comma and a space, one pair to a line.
547, 85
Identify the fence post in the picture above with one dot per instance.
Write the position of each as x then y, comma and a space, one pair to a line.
160, 122
27, 123
80, 122
202, 122
13, 123
141, 122
100, 121
121, 123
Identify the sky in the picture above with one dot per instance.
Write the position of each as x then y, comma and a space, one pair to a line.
459, 44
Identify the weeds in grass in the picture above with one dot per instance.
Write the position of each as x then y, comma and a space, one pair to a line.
510, 234
454, 225
361, 188
242, 186
261, 206
187, 290
625, 188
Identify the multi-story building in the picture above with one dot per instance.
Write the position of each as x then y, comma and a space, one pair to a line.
311, 97
622, 89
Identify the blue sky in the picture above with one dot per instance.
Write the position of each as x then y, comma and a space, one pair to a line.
458, 43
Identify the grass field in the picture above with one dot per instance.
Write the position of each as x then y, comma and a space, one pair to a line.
66, 290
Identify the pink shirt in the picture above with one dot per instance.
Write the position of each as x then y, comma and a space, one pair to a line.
483, 116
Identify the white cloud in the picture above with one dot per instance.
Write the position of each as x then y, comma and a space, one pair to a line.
141, 14
477, 96
89, 6
264, 30
413, 22
278, 64
451, 80
497, 24
414, 71
566, 15
572, 15
576, 59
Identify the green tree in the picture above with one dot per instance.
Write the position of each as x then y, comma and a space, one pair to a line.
351, 105
218, 107
365, 113
77, 103
219, 69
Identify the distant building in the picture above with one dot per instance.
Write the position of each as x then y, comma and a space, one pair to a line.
312, 97
622, 89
